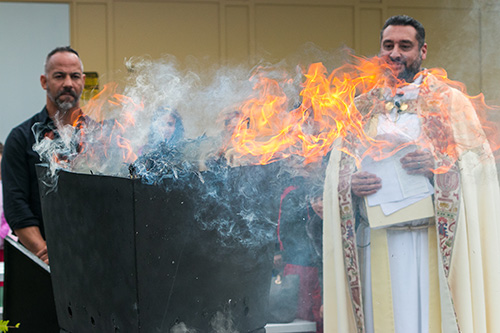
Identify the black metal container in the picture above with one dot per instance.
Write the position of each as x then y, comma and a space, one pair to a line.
131, 257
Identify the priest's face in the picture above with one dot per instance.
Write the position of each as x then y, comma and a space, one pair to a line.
399, 48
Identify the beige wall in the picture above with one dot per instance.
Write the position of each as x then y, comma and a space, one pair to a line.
463, 35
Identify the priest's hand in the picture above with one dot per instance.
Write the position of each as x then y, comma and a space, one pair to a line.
418, 162
364, 183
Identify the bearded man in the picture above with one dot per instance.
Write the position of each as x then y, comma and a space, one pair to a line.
419, 273
63, 81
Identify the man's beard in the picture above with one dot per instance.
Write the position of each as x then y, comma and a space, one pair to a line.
63, 105
409, 72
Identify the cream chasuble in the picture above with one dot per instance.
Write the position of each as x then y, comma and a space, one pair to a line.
462, 255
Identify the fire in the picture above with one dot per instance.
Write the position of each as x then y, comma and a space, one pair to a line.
271, 125
104, 104
270, 130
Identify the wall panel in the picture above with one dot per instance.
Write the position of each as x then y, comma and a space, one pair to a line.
490, 51
92, 38
282, 30
237, 34
431, 3
371, 20
155, 29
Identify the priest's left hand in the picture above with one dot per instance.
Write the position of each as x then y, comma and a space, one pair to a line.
418, 162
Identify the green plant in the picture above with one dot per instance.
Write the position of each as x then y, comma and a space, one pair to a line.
4, 325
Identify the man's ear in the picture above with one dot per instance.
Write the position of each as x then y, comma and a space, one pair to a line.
43, 81
423, 51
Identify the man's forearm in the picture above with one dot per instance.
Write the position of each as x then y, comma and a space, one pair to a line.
31, 238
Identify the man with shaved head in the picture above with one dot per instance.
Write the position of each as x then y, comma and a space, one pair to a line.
63, 80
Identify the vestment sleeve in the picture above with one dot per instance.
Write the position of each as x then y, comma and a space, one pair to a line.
467, 129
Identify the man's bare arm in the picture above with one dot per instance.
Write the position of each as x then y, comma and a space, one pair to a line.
32, 239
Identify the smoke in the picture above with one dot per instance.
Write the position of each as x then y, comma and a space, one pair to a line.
126, 123
221, 322
123, 134
182, 328
128, 117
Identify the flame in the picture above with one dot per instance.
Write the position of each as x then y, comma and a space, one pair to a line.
269, 129
271, 125
102, 106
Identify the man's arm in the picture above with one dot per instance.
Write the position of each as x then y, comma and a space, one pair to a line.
364, 183
419, 162
17, 188
32, 239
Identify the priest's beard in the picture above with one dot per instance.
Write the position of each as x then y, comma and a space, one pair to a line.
409, 72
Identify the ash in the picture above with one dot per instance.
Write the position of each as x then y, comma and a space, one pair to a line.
168, 162
165, 162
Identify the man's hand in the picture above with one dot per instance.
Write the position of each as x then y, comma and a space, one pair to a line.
32, 239
317, 205
43, 255
419, 162
278, 262
364, 183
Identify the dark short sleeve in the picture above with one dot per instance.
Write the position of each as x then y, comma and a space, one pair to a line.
21, 198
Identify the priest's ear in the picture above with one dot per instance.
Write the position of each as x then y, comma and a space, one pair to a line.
423, 51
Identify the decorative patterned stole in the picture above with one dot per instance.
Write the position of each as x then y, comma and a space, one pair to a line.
347, 226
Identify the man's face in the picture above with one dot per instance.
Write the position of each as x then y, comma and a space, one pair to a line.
399, 47
63, 81
167, 127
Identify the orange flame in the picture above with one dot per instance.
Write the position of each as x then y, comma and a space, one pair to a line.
269, 130
106, 103
271, 127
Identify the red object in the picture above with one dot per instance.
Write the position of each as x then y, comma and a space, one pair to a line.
309, 293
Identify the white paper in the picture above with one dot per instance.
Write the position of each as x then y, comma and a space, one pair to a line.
391, 207
399, 189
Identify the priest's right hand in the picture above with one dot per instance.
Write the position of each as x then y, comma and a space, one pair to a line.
364, 183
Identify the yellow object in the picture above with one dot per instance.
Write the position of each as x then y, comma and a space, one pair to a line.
91, 87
